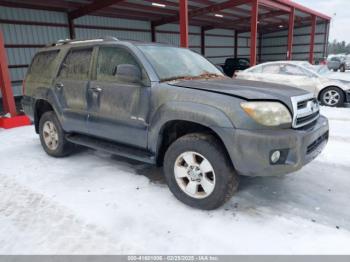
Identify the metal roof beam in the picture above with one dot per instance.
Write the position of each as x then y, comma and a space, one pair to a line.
89, 8
275, 5
304, 9
202, 11
246, 20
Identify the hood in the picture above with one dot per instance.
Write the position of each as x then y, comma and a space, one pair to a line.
246, 89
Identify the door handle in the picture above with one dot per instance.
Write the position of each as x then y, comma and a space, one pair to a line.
96, 89
59, 86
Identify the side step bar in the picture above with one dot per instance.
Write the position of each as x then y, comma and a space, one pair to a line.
112, 148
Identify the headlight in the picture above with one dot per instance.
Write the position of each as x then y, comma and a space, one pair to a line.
267, 113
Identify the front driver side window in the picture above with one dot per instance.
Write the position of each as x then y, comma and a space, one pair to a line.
108, 60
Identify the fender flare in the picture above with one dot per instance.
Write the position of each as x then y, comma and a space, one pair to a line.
204, 115
47, 94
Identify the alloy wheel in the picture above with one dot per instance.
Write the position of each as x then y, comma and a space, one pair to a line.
331, 97
50, 135
194, 175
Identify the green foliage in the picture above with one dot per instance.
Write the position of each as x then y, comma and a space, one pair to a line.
336, 47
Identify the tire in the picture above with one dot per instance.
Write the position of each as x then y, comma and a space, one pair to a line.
204, 147
342, 68
332, 96
50, 130
335, 70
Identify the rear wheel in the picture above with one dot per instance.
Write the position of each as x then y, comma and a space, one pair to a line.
332, 96
52, 136
342, 68
199, 172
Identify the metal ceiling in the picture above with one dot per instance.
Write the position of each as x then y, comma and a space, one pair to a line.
228, 14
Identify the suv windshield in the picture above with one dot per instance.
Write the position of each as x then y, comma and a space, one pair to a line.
172, 63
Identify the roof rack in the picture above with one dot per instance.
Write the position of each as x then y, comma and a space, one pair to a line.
72, 41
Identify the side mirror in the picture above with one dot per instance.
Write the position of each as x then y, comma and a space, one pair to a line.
129, 73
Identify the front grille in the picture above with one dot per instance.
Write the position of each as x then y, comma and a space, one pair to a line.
305, 110
307, 119
317, 142
303, 104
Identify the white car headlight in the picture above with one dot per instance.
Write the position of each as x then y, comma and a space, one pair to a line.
268, 113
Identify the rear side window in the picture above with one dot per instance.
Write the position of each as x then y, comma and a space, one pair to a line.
43, 66
271, 69
257, 69
76, 65
292, 70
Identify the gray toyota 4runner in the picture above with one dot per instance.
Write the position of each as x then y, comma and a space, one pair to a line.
171, 107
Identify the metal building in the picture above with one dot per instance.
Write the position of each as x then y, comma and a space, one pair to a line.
261, 30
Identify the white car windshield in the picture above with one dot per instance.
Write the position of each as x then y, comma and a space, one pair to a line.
172, 63
319, 69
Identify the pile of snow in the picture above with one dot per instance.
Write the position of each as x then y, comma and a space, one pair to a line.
93, 203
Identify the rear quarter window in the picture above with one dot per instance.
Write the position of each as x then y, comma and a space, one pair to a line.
43, 66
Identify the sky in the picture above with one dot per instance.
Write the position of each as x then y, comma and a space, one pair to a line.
339, 10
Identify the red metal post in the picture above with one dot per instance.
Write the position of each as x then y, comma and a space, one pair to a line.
236, 44
203, 41
5, 81
183, 23
312, 39
253, 31
291, 34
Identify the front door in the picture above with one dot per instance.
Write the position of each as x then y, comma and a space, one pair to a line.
296, 76
71, 89
118, 109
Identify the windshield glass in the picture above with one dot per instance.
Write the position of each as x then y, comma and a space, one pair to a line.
172, 63
309, 66
320, 69
323, 70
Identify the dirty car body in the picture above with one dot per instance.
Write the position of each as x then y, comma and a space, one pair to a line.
135, 116
303, 75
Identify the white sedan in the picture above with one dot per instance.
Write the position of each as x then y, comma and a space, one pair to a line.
330, 92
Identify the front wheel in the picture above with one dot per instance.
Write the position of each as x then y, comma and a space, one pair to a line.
332, 96
199, 172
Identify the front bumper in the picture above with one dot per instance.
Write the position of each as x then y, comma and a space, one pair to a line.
251, 150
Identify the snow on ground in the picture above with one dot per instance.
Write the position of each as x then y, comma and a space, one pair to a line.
93, 203
340, 75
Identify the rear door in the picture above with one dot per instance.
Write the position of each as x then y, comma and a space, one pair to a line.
71, 88
118, 109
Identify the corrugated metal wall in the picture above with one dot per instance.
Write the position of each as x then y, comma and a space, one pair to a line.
26, 30
88, 27
274, 45
22, 40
